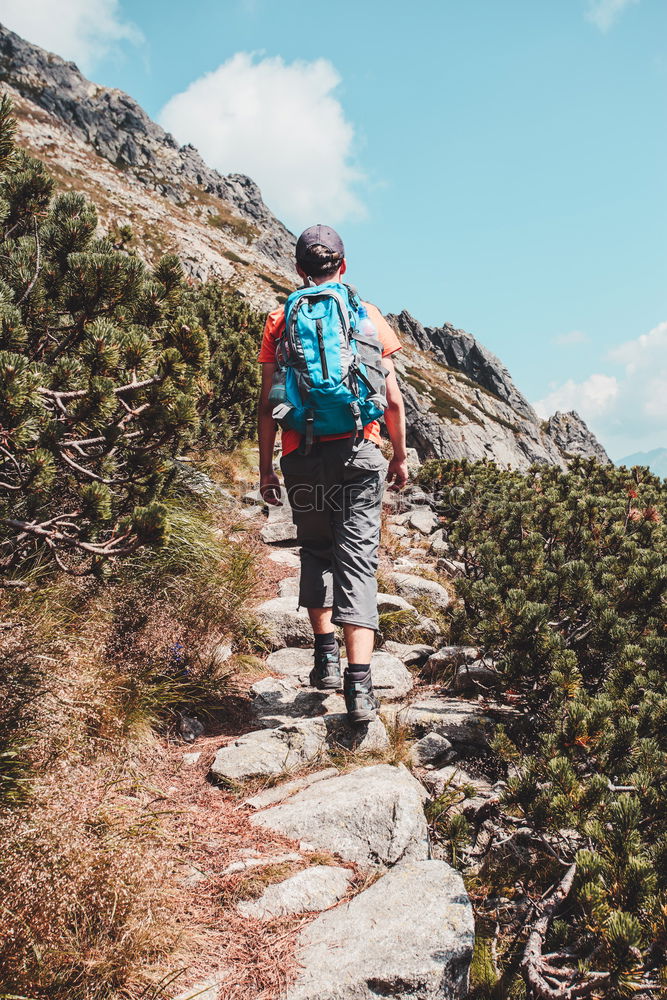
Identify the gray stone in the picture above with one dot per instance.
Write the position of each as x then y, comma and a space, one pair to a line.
289, 746
373, 816
573, 437
451, 657
438, 543
414, 464
399, 530
388, 603
278, 793
413, 939
453, 567
278, 531
411, 586
245, 864
416, 496
391, 678
285, 557
314, 888
453, 776
465, 723
291, 661
424, 521
270, 751
254, 497
191, 758
189, 727
276, 699
284, 625
412, 655
470, 677
432, 749
400, 519
289, 587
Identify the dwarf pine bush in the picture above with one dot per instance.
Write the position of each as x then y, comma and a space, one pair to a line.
566, 588
103, 365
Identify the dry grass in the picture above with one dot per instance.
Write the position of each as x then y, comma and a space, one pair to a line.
101, 825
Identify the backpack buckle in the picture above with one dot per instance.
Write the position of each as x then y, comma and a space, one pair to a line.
310, 419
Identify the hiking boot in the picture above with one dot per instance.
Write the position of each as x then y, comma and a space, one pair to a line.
360, 700
325, 675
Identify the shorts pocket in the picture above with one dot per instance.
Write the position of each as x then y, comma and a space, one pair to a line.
369, 458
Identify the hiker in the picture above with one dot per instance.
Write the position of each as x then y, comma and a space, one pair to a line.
327, 375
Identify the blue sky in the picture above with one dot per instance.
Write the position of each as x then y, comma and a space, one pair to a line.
497, 164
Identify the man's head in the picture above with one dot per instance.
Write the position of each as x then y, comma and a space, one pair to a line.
320, 254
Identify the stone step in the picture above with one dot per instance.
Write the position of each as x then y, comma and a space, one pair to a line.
410, 935
373, 816
315, 888
267, 752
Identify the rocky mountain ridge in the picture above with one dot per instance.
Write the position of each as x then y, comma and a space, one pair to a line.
461, 402
100, 141
460, 399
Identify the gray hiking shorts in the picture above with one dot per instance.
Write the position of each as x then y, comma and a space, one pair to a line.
336, 503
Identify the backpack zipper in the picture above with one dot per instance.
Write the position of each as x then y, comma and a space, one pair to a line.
323, 356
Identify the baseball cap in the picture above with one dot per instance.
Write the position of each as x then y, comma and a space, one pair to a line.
319, 235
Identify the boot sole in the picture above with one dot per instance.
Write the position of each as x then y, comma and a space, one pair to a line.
330, 684
357, 717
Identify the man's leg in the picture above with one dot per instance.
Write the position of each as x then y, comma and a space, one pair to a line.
359, 642
313, 529
356, 538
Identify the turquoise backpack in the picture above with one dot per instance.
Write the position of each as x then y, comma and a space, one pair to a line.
329, 376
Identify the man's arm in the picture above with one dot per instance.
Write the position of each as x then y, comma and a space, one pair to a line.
269, 484
394, 418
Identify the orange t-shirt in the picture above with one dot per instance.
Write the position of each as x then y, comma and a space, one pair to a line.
273, 331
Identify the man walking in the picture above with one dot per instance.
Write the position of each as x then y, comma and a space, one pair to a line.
334, 481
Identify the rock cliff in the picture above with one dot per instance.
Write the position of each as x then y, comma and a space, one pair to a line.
461, 402
460, 399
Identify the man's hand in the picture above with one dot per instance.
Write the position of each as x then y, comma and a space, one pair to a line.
397, 473
269, 488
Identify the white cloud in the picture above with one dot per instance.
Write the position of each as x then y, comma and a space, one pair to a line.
279, 123
627, 411
604, 13
571, 337
81, 30
590, 398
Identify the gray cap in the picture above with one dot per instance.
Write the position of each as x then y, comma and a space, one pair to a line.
319, 236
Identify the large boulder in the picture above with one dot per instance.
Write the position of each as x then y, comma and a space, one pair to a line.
411, 586
409, 936
373, 816
314, 888
267, 752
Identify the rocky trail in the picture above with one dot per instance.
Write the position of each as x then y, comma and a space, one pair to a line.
384, 913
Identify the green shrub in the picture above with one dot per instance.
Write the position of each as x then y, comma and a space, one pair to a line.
566, 588
102, 370
234, 331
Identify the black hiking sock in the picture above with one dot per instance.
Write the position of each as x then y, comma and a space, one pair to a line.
357, 672
326, 643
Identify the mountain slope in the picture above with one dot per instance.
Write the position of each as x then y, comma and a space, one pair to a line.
460, 399
656, 459
100, 141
